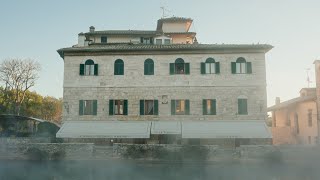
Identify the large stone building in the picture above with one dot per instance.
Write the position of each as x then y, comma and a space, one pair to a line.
162, 86
296, 121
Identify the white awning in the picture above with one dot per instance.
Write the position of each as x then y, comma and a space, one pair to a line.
166, 127
225, 129
105, 129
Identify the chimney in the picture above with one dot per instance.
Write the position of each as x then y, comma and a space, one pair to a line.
277, 100
81, 39
91, 29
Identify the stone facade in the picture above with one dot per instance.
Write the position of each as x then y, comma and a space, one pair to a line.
134, 85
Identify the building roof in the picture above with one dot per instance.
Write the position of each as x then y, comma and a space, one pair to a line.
169, 47
124, 32
292, 102
134, 32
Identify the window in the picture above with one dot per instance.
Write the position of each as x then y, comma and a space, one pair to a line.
296, 121
242, 107
166, 41
119, 67
179, 67
88, 107
158, 41
104, 39
148, 107
209, 106
310, 117
210, 67
118, 107
180, 107
89, 68
148, 67
146, 40
288, 119
241, 66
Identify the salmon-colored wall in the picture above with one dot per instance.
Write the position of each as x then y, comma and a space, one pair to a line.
284, 128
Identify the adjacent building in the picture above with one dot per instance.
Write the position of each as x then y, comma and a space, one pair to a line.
296, 121
162, 86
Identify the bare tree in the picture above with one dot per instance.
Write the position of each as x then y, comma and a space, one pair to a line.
18, 76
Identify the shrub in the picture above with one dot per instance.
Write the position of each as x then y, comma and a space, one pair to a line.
59, 155
135, 152
199, 153
273, 157
37, 154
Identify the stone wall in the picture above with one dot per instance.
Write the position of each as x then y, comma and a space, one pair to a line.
22, 148
11, 149
133, 86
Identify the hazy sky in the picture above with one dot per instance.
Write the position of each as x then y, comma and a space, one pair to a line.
37, 28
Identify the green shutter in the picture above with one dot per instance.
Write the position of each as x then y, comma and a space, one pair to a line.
171, 68
213, 107
146, 69
187, 68
141, 39
204, 106
111, 107
217, 64
249, 68
233, 67
95, 107
81, 69
96, 69
121, 68
173, 107
81, 107
187, 107
141, 107
203, 68
242, 107
125, 107
115, 69
156, 107
151, 68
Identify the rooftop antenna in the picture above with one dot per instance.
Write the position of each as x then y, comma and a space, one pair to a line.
164, 12
308, 78
164, 9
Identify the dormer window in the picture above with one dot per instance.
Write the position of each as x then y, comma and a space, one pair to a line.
167, 41
104, 39
158, 41
163, 40
146, 40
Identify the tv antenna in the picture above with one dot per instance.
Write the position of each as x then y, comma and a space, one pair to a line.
308, 78
164, 12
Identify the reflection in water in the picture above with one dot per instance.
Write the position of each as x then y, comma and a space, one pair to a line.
146, 170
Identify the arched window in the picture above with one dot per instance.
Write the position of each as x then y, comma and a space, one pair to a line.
179, 67
148, 67
210, 67
89, 68
119, 67
241, 66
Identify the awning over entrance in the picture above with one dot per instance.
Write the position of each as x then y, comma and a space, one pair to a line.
225, 129
166, 127
105, 129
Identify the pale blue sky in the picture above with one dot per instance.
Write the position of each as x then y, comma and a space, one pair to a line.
37, 28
